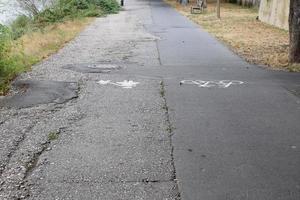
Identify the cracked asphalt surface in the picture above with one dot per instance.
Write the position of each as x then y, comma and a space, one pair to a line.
160, 139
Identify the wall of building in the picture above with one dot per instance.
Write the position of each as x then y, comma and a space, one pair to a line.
275, 12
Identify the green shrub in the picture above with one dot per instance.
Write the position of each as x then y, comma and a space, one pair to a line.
80, 4
65, 9
9, 62
109, 6
48, 16
93, 12
20, 26
5, 41
5, 49
12, 58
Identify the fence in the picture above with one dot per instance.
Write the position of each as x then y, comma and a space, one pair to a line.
245, 2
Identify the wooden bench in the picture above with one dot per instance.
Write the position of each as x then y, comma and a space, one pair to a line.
199, 6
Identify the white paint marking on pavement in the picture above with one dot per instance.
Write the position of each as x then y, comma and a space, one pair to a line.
124, 84
101, 82
208, 84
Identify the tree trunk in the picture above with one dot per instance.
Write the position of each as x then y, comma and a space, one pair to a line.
29, 5
294, 28
218, 9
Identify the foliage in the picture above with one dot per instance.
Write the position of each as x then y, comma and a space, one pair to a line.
60, 11
108, 5
13, 60
20, 26
65, 9
10, 63
29, 6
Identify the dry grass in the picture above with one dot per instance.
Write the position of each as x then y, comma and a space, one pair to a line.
39, 45
253, 40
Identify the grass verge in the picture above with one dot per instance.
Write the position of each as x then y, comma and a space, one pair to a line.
35, 46
40, 44
29, 40
255, 41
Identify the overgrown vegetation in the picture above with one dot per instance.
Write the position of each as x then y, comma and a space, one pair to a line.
30, 39
10, 63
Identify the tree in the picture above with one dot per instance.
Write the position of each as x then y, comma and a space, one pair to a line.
294, 28
29, 5
32, 6
218, 9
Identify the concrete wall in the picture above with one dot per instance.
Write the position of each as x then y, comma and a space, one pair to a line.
275, 12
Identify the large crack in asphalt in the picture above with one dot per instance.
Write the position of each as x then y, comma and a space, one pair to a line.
156, 163
170, 131
14, 148
23, 161
26, 149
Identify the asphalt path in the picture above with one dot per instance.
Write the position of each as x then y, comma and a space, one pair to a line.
199, 123
236, 126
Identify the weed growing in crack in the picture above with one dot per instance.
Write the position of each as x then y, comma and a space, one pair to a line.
53, 136
162, 90
169, 130
165, 107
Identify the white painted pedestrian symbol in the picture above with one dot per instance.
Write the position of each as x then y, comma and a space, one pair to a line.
127, 84
209, 84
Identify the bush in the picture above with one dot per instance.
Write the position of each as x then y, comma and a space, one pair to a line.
76, 8
109, 6
4, 41
93, 12
20, 26
9, 61
5, 48
12, 58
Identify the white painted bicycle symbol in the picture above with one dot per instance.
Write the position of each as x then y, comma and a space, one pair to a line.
209, 84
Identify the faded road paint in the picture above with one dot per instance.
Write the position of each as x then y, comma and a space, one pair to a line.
209, 84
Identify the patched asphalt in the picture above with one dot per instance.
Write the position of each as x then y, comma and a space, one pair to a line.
32, 92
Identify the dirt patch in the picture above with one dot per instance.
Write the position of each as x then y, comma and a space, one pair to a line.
255, 41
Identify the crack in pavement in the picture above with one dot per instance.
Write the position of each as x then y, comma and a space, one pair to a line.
24, 159
89, 150
171, 133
